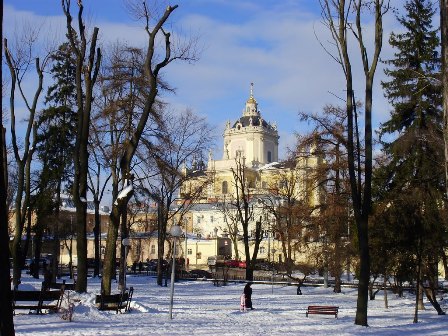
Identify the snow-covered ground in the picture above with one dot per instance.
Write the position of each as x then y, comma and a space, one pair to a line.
203, 309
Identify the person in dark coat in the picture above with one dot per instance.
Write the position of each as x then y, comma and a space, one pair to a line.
248, 294
48, 276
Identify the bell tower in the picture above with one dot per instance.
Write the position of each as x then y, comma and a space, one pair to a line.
251, 136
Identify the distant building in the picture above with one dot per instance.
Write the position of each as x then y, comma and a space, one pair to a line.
252, 141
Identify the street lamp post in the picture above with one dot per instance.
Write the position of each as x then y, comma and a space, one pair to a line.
126, 242
176, 232
216, 237
186, 243
273, 269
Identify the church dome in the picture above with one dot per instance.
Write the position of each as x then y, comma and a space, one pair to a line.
251, 100
250, 121
251, 108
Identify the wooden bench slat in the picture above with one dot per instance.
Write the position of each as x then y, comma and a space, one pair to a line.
42, 299
62, 285
116, 302
323, 310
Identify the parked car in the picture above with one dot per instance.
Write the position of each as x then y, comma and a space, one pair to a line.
152, 264
201, 273
231, 263
216, 261
264, 266
211, 261
242, 264
47, 260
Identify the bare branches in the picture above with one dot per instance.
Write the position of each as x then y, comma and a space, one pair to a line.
19, 62
361, 192
86, 75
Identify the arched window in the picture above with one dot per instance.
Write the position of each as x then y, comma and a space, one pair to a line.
269, 157
224, 187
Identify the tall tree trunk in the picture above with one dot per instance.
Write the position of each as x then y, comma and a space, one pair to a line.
23, 155
336, 15
445, 265
123, 257
364, 274
97, 232
151, 71
444, 41
109, 267
162, 219
6, 316
87, 68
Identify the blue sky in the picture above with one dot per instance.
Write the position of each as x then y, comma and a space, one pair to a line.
268, 42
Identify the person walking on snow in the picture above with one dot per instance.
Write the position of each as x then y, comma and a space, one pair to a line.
248, 295
243, 302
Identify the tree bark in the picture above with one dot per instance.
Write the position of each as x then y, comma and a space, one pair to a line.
151, 70
22, 155
87, 68
6, 315
444, 41
336, 15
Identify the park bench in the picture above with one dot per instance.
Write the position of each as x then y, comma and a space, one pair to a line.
62, 285
37, 300
323, 310
116, 302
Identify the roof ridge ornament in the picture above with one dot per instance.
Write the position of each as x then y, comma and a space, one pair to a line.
251, 108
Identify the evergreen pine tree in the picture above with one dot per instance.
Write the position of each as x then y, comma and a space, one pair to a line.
55, 138
57, 122
410, 184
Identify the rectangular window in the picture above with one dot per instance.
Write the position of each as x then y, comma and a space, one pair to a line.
153, 249
189, 251
211, 219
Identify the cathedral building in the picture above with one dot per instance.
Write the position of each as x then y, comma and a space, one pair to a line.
250, 143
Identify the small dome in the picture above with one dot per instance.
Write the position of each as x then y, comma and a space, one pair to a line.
251, 100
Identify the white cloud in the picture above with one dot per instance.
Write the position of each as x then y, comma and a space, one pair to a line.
274, 46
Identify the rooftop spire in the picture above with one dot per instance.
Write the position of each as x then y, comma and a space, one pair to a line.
251, 108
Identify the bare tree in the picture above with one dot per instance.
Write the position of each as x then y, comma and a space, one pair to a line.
231, 221
97, 187
290, 203
120, 99
185, 141
332, 225
155, 60
242, 203
88, 58
19, 60
338, 16
6, 314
